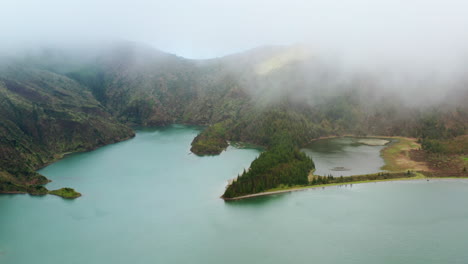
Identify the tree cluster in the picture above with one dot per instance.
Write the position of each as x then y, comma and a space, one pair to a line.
281, 164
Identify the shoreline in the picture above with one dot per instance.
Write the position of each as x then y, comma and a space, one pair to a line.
390, 163
396, 155
419, 177
356, 136
60, 156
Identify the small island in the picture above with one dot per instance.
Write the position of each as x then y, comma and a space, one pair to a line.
37, 190
67, 193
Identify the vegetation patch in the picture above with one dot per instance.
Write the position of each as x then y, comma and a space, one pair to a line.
457, 145
397, 156
445, 157
325, 181
67, 193
212, 141
37, 190
442, 165
281, 165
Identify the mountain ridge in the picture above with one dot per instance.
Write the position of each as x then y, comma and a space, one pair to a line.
58, 102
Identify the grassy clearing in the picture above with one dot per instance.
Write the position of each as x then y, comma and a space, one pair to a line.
310, 177
397, 158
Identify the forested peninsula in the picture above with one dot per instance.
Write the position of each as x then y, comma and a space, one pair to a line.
56, 101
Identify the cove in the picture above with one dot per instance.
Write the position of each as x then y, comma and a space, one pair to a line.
344, 156
147, 200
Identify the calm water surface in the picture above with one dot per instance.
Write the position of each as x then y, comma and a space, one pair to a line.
147, 201
355, 158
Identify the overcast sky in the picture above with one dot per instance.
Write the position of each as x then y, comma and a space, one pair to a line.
211, 28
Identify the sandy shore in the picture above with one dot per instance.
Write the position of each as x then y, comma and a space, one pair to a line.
420, 177
303, 188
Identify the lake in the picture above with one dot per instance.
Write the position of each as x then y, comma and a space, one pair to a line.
344, 156
147, 200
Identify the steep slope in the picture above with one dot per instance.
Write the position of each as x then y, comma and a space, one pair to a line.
55, 101
249, 95
143, 86
44, 115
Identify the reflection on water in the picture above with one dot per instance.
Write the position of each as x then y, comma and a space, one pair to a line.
344, 157
147, 201
256, 201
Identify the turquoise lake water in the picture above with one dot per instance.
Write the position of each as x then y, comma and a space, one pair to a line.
146, 200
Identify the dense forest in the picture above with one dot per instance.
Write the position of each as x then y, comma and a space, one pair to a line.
325, 180
281, 164
55, 101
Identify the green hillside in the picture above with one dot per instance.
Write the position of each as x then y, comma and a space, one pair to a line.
58, 101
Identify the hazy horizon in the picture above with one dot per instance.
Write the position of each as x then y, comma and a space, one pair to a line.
416, 48
209, 29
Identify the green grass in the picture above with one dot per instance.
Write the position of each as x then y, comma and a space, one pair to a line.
67, 193
393, 151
